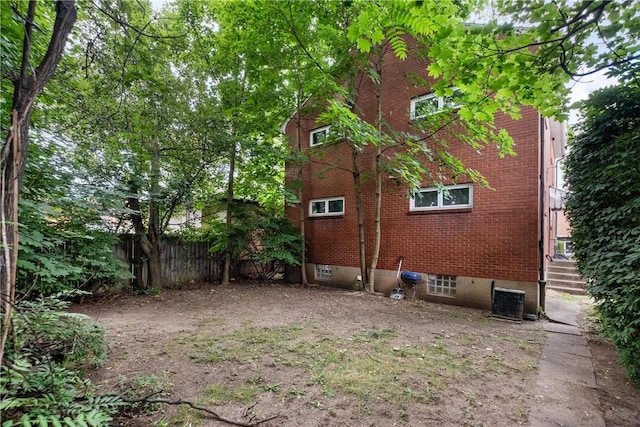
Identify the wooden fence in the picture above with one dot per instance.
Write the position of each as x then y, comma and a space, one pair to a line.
181, 262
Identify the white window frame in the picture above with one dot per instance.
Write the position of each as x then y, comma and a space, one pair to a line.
312, 133
442, 103
442, 284
441, 197
326, 210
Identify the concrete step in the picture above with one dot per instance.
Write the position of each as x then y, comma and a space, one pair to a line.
564, 275
567, 290
561, 268
579, 284
562, 263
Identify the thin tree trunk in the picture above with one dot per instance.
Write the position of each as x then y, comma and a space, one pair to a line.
378, 196
154, 261
303, 244
13, 156
357, 183
226, 276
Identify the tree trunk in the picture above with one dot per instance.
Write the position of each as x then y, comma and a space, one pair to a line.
154, 234
226, 271
145, 244
378, 195
303, 244
357, 183
149, 241
13, 156
377, 227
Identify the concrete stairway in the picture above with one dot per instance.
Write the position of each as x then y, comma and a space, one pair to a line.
562, 275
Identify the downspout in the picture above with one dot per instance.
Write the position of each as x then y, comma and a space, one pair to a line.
541, 276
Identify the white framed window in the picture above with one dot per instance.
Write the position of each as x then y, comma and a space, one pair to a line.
431, 104
442, 284
318, 135
326, 207
446, 197
323, 272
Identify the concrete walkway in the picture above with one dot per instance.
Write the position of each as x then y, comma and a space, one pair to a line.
565, 393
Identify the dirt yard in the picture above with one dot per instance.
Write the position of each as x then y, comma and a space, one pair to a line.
326, 357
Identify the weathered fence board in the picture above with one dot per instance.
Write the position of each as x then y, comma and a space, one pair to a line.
181, 262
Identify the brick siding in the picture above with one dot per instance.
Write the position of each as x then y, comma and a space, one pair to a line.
497, 238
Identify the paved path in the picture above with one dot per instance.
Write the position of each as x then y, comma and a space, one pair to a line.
565, 393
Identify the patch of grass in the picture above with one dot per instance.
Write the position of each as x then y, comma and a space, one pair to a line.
296, 392
468, 339
371, 364
528, 345
571, 298
186, 416
372, 367
493, 361
273, 388
221, 393
146, 385
245, 345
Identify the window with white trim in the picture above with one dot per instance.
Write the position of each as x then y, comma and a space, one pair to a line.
326, 207
318, 136
442, 284
446, 197
425, 105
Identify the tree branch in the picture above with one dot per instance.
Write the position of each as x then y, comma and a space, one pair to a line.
213, 413
140, 32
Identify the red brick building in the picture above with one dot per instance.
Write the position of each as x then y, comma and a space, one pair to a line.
460, 242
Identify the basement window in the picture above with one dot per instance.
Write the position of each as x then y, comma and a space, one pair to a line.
442, 284
445, 197
323, 272
318, 136
326, 207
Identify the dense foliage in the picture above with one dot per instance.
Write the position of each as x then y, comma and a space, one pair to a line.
578, 37
603, 171
42, 382
262, 244
63, 245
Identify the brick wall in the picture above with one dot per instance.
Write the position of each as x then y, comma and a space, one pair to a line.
497, 238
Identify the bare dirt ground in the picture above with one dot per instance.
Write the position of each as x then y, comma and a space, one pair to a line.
327, 357
619, 400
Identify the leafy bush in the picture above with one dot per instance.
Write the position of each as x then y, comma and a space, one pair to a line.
265, 241
603, 171
41, 380
61, 244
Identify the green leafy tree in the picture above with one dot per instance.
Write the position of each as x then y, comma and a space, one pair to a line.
29, 60
250, 58
138, 121
577, 38
603, 172
63, 245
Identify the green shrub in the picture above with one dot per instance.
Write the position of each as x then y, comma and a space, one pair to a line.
62, 243
41, 379
266, 241
603, 171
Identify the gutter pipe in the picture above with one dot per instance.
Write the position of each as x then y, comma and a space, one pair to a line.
542, 283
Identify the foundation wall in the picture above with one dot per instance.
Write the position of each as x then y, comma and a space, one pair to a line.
470, 291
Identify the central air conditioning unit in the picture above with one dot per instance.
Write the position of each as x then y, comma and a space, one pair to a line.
508, 303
